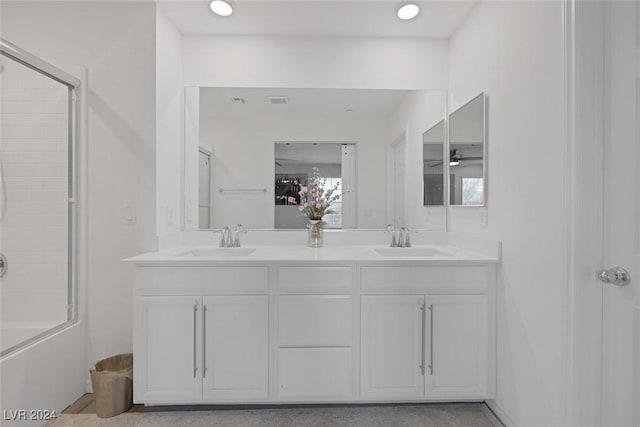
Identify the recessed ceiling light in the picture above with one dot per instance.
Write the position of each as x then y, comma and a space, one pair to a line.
349, 110
408, 11
221, 8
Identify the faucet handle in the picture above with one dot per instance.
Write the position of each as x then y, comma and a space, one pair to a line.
236, 240
407, 239
224, 236
389, 228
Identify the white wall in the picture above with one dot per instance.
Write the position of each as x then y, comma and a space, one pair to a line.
34, 153
513, 52
169, 125
116, 41
323, 62
417, 113
244, 153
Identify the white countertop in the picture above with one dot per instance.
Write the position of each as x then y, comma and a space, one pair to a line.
271, 253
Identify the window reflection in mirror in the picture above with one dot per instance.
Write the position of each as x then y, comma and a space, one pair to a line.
467, 154
294, 163
433, 165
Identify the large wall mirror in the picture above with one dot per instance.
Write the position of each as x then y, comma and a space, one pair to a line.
467, 153
249, 150
433, 146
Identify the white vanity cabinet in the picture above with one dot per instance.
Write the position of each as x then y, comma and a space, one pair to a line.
314, 332
427, 332
201, 335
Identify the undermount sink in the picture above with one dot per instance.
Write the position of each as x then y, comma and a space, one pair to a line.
220, 252
410, 252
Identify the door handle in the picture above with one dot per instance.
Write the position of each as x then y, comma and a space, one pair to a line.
431, 339
195, 321
424, 321
204, 341
4, 265
616, 276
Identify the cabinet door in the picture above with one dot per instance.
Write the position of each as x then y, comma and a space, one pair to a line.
236, 347
167, 348
457, 346
392, 347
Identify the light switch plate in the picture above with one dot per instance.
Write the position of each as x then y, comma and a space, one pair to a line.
169, 215
129, 216
483, 217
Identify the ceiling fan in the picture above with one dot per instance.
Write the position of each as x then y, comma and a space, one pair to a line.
455, 158
282, 159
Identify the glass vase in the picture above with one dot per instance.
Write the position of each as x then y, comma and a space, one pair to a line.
316, 235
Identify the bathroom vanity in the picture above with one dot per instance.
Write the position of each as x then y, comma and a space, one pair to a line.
286, 324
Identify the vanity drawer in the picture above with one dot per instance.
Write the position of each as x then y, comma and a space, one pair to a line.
312, 279
319, 373
436, 279
315, 320
202, 280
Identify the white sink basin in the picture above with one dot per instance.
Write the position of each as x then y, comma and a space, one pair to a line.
219, 252
410, 252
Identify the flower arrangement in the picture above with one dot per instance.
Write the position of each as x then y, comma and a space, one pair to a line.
315, 201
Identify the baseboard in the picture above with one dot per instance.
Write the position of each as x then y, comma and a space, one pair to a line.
499, 413
636, 368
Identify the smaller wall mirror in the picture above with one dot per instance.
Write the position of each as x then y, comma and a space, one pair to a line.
433, 165
467, 154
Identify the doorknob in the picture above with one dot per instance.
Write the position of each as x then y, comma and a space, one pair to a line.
4, 265
616, 276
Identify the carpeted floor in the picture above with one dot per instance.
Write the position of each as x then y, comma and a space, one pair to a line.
423, 415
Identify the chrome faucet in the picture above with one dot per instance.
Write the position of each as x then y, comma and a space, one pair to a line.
231, 238
400, 240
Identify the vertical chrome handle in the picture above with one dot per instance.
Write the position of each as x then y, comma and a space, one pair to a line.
431, 339
195, 321
424, 321
204, 341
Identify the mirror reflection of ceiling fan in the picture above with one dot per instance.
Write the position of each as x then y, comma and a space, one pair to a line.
282, 159
454, 159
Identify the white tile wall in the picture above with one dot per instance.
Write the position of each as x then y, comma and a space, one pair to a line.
34, 230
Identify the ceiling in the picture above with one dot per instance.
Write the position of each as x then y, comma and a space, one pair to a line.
302, 104
325, 18
292, 153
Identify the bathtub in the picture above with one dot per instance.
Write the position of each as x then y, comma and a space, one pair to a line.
43, 368
14, 335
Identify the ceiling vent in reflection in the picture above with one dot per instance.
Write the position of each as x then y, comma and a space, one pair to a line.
279, 100
237, 100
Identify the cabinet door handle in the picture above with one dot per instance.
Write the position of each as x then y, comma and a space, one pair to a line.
431, 339
195, 321
204, 341
424, 329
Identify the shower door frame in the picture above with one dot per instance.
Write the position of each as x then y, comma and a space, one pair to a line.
72, 83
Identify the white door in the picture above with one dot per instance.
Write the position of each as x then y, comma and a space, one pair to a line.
621, 304
349, 186
392, 346
236, 347
167, 349
204, 190
457, 353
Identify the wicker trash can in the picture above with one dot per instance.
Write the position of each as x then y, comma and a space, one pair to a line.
112, 381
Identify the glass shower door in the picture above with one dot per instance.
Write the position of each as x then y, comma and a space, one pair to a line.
35, 235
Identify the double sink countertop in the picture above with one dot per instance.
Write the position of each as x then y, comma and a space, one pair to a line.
195, 255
